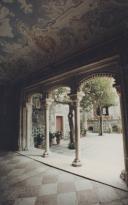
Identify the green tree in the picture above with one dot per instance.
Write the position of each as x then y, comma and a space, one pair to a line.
99, 93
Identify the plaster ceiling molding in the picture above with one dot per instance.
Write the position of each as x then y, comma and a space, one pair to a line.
26, 7
6, 29
8, 1
12, 48
120, 2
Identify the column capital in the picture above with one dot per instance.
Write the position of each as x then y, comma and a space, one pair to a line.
76, 97
27, 100
47, 102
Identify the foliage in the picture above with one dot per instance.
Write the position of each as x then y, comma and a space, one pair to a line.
61, 94
58, 135
38, 140
98, 92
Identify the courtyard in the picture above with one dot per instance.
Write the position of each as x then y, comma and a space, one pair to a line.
101, 156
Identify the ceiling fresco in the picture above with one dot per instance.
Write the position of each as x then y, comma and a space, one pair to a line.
38, 33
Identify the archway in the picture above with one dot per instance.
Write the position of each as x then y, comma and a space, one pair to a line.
104, 154
74, 79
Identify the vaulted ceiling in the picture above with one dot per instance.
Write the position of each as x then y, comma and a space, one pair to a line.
35, 34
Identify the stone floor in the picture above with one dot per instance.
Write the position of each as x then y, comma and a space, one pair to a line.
101, 156
24, 181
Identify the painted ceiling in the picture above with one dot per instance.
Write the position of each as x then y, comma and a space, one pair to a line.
38, 33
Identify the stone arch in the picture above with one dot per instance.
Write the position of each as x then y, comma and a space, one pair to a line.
99, 74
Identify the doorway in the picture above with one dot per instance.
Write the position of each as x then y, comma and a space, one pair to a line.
59, 123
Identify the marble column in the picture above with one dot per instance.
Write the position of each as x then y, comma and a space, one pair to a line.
76, 102
47, 102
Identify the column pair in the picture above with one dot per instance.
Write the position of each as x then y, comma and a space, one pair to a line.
75, 100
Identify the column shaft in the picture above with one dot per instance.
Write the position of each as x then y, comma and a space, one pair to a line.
76, 101
47, 103
123, 106
30, 142
24, 128
46, 153
124, 110
77, 135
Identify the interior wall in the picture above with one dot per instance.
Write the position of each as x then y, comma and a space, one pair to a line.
9, 117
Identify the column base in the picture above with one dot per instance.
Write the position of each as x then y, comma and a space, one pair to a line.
71, 145
76, 163
26, 149
45, 154
124, 176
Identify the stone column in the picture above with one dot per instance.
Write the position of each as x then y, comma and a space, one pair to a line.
76, 102
47, 102
29, 139
71, 126
120, 91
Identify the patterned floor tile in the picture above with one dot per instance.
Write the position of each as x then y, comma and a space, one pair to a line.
83, 185
107, 194
28, 182
47, 200
66, 187
25, 201
49, 179
48, 189
87, 197
67, 199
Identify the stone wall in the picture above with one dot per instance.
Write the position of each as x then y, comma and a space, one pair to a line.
109, 125
38, 124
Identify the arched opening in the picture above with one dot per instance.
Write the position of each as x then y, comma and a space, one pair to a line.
102, 148
59, 119
98, 166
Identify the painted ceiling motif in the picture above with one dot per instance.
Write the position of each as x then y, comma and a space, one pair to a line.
34, 34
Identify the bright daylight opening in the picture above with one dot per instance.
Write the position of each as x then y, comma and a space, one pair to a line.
101, 141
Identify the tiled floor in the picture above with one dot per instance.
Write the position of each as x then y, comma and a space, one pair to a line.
101, 156
24, 181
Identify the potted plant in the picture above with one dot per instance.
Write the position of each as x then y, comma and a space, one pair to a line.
51, 138
38, 141
58, 135
83, 132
